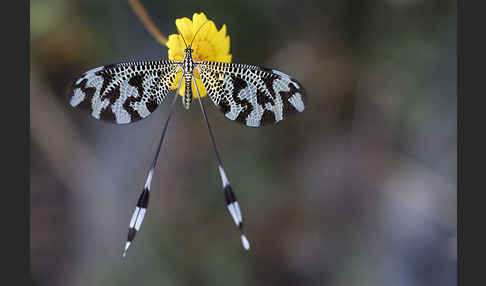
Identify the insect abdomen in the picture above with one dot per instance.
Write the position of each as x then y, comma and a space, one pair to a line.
187, 100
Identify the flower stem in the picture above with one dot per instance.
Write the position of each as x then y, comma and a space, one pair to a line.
145, 18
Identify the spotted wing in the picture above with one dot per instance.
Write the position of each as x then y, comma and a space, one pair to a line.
125, 92
252, 95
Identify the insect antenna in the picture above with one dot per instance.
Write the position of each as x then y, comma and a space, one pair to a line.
180, 33
197, 32
143, 199
231, 202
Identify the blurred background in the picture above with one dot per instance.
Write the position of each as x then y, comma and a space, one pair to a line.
360, 189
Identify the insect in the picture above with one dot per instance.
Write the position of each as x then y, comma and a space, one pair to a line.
127, 92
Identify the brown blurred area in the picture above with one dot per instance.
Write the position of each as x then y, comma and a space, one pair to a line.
360, 189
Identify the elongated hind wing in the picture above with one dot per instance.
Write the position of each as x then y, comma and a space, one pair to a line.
250, 94
125, 92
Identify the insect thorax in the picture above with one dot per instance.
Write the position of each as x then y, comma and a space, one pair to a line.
188, 73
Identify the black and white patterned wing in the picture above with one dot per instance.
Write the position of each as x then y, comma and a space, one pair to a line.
252, 95
126, 92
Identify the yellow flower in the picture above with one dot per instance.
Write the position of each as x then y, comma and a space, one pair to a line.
209, 45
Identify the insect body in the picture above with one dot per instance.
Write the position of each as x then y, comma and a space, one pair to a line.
188, 74
126, 92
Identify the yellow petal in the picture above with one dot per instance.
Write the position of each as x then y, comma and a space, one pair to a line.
220, 35
223, 46
204, 31
175, 84
176, 47
185, 28
223, 58
198, 20
200, 87
210, 31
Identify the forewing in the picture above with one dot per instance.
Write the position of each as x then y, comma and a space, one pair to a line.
252, 95
125, 92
